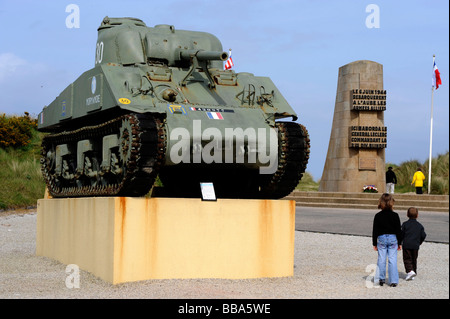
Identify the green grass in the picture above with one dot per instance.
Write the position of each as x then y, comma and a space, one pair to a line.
307, 183
439, 175
20, 175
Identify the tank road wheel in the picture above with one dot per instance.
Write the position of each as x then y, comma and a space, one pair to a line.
92, 170
125, 141
293, 155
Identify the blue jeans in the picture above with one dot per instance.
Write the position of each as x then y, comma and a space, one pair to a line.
387, 247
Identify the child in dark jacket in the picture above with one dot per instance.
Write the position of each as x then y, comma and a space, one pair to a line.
413, 236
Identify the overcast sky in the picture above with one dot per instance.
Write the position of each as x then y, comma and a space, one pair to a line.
299, 44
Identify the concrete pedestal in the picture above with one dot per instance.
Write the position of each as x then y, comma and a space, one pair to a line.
122, 239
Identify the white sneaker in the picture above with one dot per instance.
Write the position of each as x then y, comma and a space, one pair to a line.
410, 275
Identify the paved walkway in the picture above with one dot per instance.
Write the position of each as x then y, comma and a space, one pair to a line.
359, 222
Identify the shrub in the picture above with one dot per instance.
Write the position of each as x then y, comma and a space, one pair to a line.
16, 131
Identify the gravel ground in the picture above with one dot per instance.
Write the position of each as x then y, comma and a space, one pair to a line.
327, 266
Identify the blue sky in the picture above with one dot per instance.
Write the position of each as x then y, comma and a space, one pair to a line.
299, 44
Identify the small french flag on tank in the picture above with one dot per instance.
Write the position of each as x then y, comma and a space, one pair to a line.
215, 115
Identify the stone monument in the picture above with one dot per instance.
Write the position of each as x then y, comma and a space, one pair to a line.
356, 151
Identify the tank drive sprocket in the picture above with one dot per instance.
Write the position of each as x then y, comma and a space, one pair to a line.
293, 155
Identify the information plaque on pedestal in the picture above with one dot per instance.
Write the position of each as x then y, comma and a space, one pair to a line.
208, 191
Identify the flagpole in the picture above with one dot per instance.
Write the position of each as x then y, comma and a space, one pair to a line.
431, 134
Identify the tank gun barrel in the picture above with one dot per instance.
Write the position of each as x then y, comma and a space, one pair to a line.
203, 55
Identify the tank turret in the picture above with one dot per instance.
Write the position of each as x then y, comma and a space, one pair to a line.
157, 103
129, 41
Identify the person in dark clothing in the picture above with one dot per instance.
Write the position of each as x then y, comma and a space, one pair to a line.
413, 234
391, 180
386, 240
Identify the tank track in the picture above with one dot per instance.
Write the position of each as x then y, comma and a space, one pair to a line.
143, 157
141, 151
294, 149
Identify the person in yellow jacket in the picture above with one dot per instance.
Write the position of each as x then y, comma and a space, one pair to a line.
418, 179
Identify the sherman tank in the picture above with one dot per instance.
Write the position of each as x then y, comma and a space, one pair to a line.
158, 104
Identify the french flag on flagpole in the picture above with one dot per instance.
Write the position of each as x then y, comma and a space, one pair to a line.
229, 63
436, 81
